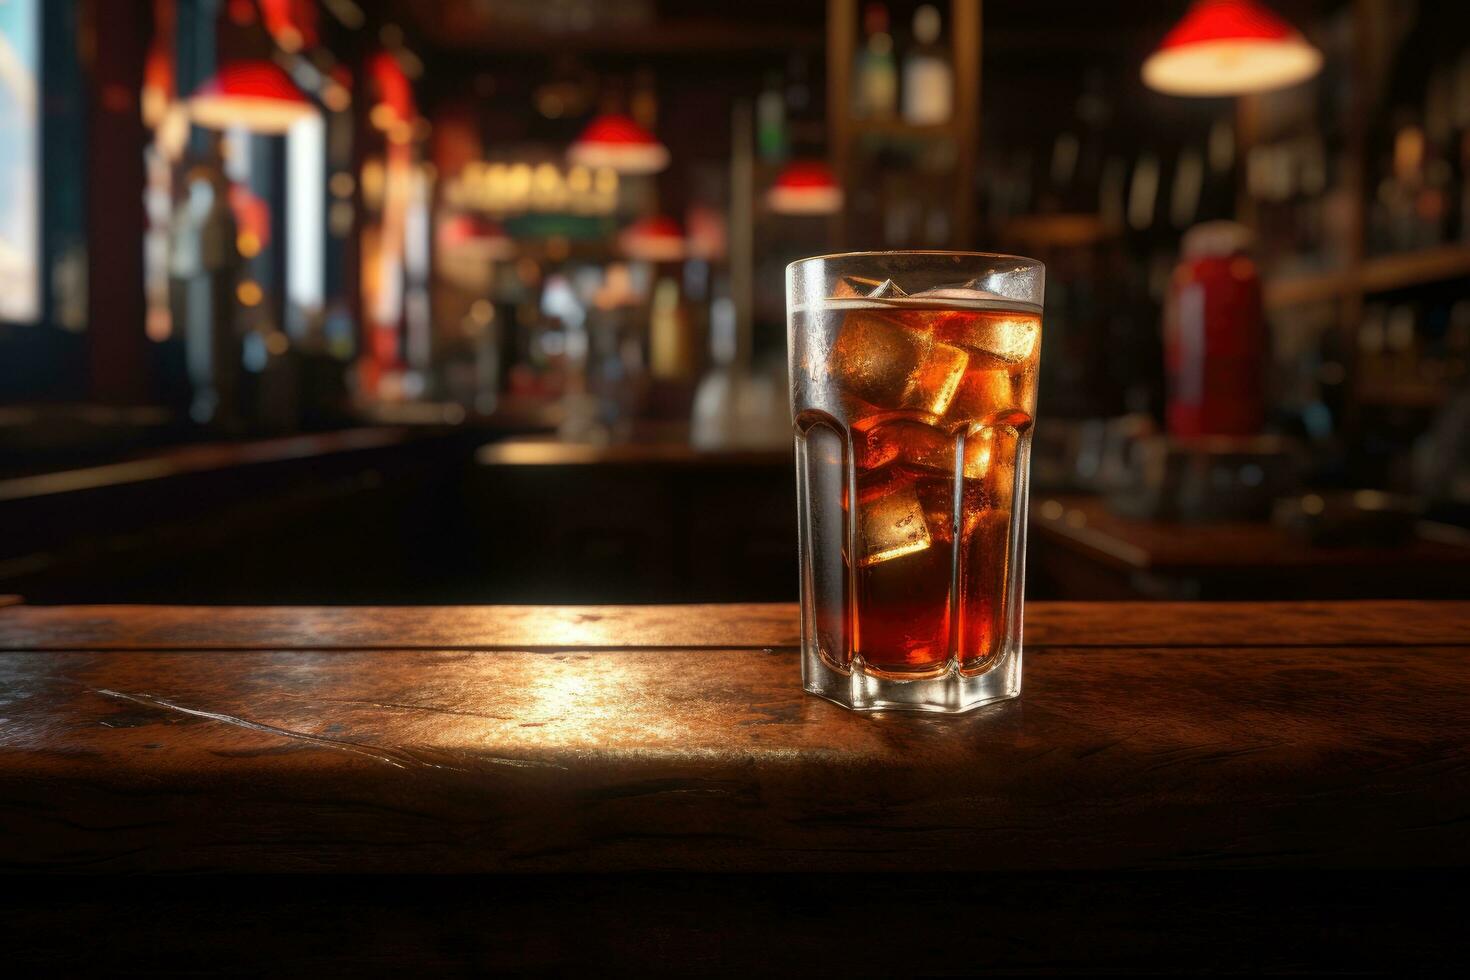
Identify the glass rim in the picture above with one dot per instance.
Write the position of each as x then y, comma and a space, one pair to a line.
877, 253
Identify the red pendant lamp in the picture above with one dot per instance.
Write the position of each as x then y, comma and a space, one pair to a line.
655, 239
617, 142
256, 94
1230, 47
805, 187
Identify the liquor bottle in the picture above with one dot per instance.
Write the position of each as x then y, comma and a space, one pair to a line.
1372, 368
798, 87
1401, 344
770, 121
714, 418
643, 104
670, 341
206, 265
877, 76
928, 79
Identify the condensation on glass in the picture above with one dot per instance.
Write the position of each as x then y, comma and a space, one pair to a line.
913, 392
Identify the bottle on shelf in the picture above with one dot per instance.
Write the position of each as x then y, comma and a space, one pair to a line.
643, 103
876, 72
671, 354
928, 77
770, 120
1372, 368
1400, 344
798, 86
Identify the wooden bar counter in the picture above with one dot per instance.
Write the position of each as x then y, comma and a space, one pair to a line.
1289, 739
1081, 549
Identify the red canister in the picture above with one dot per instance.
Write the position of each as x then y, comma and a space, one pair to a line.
1215, 336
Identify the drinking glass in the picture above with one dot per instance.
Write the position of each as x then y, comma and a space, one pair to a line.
913, 391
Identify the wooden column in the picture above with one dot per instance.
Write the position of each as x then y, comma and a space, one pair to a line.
965, 28
115, 42
841, 40
963, 128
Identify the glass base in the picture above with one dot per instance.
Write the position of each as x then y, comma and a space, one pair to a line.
951, 692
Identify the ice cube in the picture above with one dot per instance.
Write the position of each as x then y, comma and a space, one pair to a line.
887, 289
936, 496
891, 521
1010, 338
985, 393
1000, 474
874, 356
990, 473
854, 287
979, 450
990, 464
874, 448
908, 442
967, 292
938, 378
861, 287
881, 360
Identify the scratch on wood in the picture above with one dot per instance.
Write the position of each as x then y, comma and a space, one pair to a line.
396, 758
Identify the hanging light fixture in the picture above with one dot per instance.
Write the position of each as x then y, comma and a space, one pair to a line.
805, 187
620, 144
255, 94
1230, 47
655, 239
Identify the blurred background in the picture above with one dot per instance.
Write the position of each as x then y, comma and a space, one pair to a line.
311, 301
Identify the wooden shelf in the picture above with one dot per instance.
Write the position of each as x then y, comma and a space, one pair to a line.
901, 129
1376, 275
1389, 272
1060, 230
1301, 290
695, 37
847, 136
1401, 394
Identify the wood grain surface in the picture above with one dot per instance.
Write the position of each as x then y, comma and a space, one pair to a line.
1087, 525
201, 458
1334, 738
729, 625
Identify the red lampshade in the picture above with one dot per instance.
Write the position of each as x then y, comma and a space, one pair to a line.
257, 95
1230, 47
805, 187
656, 239
619, 143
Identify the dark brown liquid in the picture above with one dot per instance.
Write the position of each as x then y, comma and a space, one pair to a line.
937, 405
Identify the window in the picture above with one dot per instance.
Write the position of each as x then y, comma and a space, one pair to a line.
20, 298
